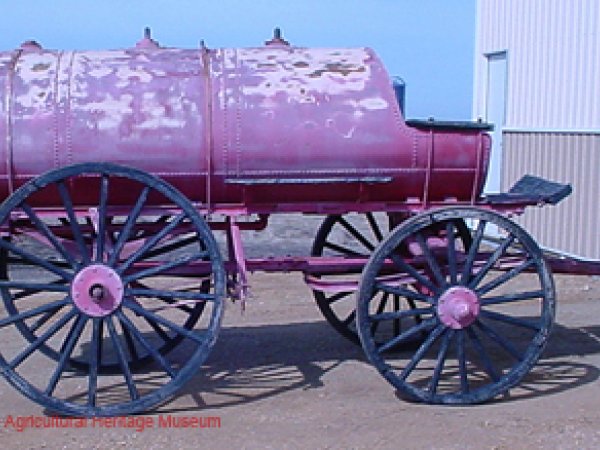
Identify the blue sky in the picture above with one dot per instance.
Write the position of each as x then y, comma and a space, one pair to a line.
429, 43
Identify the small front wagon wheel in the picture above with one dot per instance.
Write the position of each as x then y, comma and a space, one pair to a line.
485, 314
70, 313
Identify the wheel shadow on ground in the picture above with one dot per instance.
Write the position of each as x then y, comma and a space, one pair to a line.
253, 363
556, 371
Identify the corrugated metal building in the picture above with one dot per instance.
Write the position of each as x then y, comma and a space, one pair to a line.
537, 78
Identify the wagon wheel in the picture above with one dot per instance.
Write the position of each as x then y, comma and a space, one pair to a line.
487, 316
136, 359
357, 235
99, 309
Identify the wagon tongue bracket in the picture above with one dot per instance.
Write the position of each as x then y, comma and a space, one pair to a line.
237, 276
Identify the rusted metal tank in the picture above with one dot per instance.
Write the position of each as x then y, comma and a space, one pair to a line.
225, 125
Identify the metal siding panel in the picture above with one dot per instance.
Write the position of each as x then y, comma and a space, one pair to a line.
554, 54
573, 225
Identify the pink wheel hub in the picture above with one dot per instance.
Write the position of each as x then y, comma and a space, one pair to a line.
458, 307
97, 290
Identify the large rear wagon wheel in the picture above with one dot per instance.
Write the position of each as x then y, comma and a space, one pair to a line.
67, 315
485, 318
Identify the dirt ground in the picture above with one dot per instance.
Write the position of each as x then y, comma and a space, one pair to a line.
281, 377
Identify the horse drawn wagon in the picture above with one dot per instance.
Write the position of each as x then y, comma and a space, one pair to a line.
117, 166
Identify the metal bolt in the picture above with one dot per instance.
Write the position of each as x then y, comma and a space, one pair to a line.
461, 311
97, 292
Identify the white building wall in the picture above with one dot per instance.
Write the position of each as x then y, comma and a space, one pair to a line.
552, 109
553, 53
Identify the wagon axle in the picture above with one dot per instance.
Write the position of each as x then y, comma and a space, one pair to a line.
458, 307
97, 290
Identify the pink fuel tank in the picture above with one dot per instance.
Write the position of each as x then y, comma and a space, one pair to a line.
255, 126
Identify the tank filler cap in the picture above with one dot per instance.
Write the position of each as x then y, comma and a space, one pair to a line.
147, 42
31, 46
277, 39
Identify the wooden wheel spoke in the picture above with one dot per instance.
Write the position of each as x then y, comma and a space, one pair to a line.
451, 250
152, 271
48, 234
374, 227
423, 326
404, 292
515, 297
151, 242
501, 341
500, 250
440, 361
33, 312
507, 276
356, 234
74, 224
395, 315
165, 322
484, 358
164, 249
406, 268
510, 320
45, 318
51, 331
420, 353
396, 322
431, 261
343, 250
159, 331
338, 296
349, 318
379, 311
32, 287
146, 345
66, 350
36, 260
102, 213
133, 392
473, 249
94, 360
462, 362
133, 353
128, 226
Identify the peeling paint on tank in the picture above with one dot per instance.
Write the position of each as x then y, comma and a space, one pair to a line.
297, 72
36, 97
370, 104
100, 72
159, 121
373, 103
110, 111
35, 67
102, 57
128, 75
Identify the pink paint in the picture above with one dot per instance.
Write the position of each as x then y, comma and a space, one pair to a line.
458, 307
97, 290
